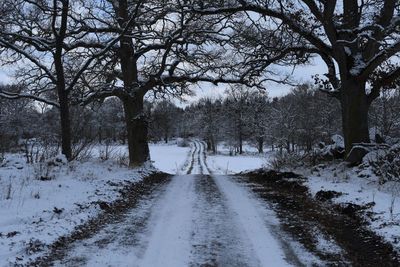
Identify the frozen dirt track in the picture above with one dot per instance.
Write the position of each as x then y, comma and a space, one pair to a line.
197, 219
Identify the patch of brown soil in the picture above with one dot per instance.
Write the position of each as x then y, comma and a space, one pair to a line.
301, 214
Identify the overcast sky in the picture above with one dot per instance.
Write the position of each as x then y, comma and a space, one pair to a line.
301, 75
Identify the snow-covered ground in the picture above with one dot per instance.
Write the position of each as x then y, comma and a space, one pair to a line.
361, 186
169, 158
224, 163
196, 220
41, 202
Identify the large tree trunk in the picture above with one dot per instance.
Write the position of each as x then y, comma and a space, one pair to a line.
66, 143
136, 125
355, 106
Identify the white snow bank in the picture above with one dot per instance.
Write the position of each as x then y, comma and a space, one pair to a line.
169, 158
222, 164
35, 212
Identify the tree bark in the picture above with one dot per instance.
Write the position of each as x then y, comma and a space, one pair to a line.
355, 106
166, 137
214, 146
137, 129
260, 145
240, 148
209, 148
66, 143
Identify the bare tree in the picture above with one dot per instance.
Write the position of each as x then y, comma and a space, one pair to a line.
259, 118
50, 44
164, 118
358, 41
165, 48
384, 115
236, 107
209, 121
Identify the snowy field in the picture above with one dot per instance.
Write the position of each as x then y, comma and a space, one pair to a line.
165, 157
223, 163
39, 203
35, 211
169, 158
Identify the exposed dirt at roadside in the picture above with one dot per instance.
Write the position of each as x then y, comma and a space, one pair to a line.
112, 212
301, 215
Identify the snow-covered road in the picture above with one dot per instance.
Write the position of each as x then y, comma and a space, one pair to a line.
198, 219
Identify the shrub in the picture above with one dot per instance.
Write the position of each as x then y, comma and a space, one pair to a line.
39, 150
43, 171
286, 160
182, 142
123, 160
107, 151
387, 165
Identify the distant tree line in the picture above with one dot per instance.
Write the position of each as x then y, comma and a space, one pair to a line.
297, 121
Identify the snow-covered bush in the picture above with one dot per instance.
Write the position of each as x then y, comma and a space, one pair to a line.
82, 150
38, 150
107, 151
285, 160
182, 142
123, 160
45, 171
334, 150
386, 165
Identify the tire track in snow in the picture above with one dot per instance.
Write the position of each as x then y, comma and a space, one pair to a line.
195, 220
216, 239
251, 216
169, 243
204, 157
118, 243
192, 162
231, 227
199, 157
198, 165
258, 223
